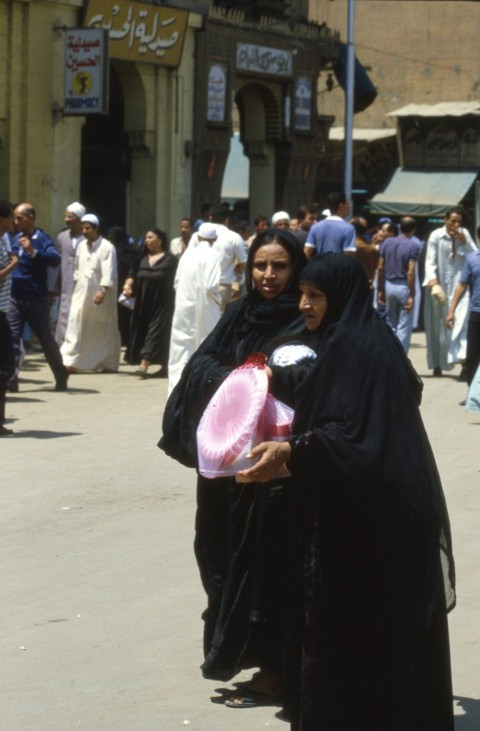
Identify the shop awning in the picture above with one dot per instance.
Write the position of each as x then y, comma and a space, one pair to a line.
423, 192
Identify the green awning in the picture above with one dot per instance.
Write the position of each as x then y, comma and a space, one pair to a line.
423, 192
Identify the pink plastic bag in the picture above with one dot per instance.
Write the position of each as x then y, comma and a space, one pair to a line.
239, 416
233, 421
278, 419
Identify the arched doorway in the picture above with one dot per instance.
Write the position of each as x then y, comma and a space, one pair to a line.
105, 164
260, 115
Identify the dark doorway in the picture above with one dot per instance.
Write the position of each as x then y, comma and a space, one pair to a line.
106, 161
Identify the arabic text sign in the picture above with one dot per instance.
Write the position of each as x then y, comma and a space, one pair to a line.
140, 32
217, 92
86, 67
262, 60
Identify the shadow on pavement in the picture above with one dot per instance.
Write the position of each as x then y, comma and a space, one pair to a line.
18, 399
470, 719
72, 390
37, 434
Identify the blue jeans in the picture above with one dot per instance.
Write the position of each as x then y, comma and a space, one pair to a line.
401, 321
35, 312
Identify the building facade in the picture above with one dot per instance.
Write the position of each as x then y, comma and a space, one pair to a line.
420, 52
126, 165
267, 68
161, 147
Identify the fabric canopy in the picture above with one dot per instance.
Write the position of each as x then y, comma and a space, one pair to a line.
423, 192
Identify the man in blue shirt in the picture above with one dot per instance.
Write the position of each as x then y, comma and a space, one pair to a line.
470, 277
333, 234
396, 279
29, 296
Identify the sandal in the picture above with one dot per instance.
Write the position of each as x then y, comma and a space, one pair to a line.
248, 698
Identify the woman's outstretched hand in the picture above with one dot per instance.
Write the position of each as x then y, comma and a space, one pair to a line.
271, 456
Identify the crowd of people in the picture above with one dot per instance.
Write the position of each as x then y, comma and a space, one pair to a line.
86, 295
328, 563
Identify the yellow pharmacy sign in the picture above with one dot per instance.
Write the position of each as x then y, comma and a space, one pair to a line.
140, 31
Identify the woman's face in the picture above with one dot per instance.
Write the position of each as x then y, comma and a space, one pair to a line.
152, 242
271, 270
313, 304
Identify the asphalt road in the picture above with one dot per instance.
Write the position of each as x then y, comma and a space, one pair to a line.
101, 602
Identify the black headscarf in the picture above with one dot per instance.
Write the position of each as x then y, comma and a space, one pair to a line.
259, 310
365, 437
250, 324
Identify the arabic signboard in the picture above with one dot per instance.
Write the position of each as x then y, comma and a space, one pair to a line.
217, 93
303, 104
140, 31
86, 72
262, 60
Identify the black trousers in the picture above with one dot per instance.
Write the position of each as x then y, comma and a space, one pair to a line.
36, 313
473, 346
7, 361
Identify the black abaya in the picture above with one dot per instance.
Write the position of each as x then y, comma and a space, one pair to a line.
151, 321
241, 530
374, 575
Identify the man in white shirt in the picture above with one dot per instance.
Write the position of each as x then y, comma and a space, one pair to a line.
447, 249
233, 254
92, 339
66, 243
180, 243
197, 301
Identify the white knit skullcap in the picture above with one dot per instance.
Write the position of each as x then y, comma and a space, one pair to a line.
77, 209
280, 216
208, 231
90, 218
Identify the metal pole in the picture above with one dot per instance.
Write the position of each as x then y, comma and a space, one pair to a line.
349, 92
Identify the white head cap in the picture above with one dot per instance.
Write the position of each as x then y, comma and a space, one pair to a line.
280, 216
208, 231
77, 209
91, 218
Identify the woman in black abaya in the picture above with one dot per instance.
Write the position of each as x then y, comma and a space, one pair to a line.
151, 281
368, 647
241, 530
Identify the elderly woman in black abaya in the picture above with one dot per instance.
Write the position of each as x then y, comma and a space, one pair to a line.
241, 531
368, 647
151, 283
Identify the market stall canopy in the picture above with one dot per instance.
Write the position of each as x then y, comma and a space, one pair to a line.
362, 134
442, 109
423, 192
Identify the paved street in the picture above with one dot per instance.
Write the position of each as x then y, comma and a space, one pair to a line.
101, 601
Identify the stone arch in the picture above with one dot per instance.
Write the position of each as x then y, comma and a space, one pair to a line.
260, 110
140, 88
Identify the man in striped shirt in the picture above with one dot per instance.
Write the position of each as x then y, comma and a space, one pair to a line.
8, 262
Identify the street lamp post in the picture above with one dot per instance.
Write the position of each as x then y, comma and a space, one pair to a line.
350, 88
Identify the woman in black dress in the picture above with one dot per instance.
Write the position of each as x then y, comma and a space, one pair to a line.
374, 578
151, 283
241, 541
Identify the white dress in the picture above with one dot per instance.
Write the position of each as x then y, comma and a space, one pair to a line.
445, 347
92, 339
197, 305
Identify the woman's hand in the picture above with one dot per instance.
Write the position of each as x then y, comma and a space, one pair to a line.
271, 456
